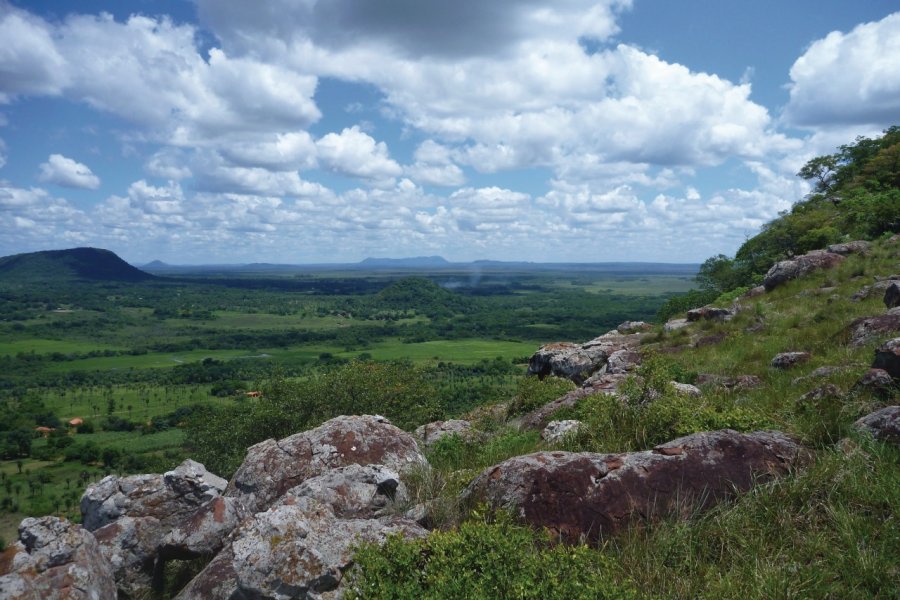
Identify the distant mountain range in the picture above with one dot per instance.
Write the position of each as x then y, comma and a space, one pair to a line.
413, 262
75, 264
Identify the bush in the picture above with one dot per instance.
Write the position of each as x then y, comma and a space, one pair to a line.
484, 560
532, 393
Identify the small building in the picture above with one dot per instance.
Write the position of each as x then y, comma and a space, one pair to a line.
253, 394
76, 421
44, 431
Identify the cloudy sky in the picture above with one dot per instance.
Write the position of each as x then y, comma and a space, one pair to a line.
198, 131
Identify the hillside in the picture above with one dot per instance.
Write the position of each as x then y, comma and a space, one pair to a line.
75, 264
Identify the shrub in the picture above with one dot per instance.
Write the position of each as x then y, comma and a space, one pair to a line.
532, 393
484, 560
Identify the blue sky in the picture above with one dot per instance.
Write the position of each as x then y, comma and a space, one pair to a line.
330, 130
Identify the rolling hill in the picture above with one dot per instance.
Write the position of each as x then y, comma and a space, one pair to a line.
74, 264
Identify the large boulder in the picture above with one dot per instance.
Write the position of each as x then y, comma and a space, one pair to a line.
354, 491
130, 544
203, 533
882, 424
54, 559
860, 247
579, 361
865, 329
633, 327
297, 549
787, 270
430, 433
586, 496
169, 498
272, 467
623, 361
887, 357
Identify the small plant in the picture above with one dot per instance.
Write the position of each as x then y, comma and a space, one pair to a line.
533, 393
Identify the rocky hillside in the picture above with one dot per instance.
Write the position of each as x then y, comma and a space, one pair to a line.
770, 425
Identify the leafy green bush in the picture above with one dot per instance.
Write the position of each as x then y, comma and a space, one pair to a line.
481, 560
532, 393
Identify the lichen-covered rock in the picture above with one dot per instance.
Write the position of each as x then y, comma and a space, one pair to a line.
822, 392
869, 291
633, 327
169, 497
585, 496
623, 361
786, 360
675, 325
741, 382
892, 295
787, 270
604, 384
686, 389
710, 313
298, 549
430, 433
882, 424
130, 545
555, 431
579, 361
865, 329
354, 491
877, 381
272, 467
860, 247
55, 560
203, 533
887, 357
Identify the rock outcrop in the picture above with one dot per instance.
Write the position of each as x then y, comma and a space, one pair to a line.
54, 559
882, 424
860, 247
633, 327
272, 467
865, 329
709, 313
586, 496
786, 360
786, 270
430, 433
579, 361
555, 431
603, 384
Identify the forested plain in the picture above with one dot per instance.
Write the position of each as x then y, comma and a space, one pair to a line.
102, 376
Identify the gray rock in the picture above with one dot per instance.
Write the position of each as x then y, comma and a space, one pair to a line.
860, 247
710, 313
203, 533
882, 424
741, 382
633, 327
787, 270
587, 496
754, 292
686, 389
892, 295
623, 361
877, 381
169, 498
887, 357
675, 325
603, 384
54, 559
820, 373
868, 291
430, 433
272, 467
579, 361
786, 360
130, 545
822, 392
555, 431
865, 329
354, 491
298, 549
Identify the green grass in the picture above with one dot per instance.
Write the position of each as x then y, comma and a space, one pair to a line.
42, 346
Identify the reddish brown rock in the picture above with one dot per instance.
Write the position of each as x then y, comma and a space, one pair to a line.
586, 496
882, 424
55, 560
865, 329
130, 545
786, 360
204, 532
787, 270
273, 467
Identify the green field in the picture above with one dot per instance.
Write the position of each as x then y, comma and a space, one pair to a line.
44, 346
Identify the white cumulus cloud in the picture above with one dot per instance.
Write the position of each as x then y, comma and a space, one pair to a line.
67, 172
